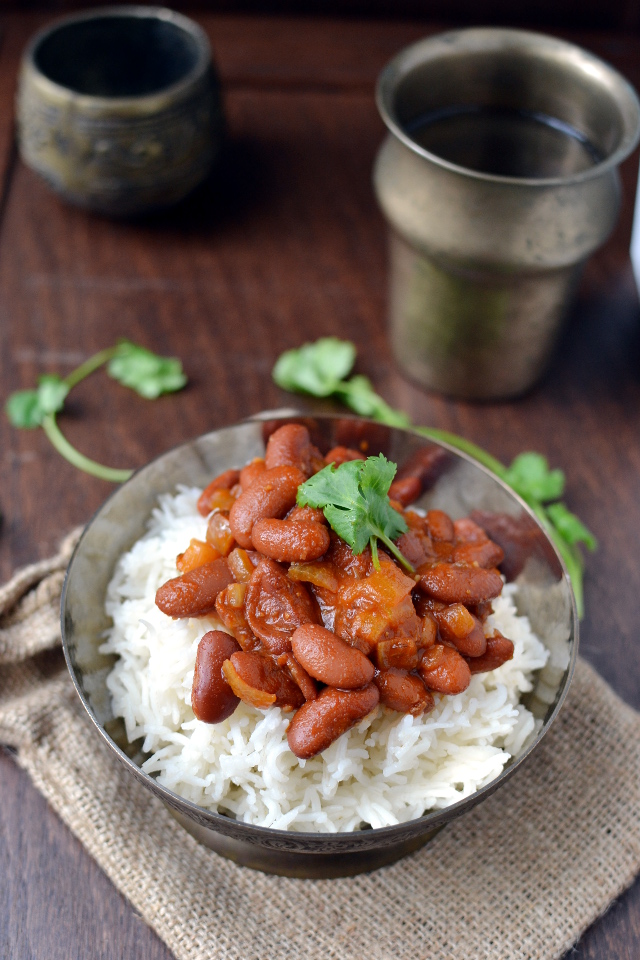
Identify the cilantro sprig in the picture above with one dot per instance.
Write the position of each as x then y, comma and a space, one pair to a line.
133, 366
322, 369
355, 500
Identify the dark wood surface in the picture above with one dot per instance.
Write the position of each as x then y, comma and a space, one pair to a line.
284, 245
545, 14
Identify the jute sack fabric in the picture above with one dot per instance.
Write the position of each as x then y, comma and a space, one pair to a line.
518, 878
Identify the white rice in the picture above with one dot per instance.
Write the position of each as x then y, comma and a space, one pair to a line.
386, 770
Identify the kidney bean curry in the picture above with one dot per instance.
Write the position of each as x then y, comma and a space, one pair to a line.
314, 628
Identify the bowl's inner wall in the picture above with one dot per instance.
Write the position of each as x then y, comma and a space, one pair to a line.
117, 56
520, 112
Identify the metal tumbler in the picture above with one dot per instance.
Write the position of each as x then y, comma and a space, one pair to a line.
498, 179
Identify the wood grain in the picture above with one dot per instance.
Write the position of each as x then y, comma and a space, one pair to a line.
285, 244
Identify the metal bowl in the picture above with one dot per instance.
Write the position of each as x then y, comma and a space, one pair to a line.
119, 108
544, 596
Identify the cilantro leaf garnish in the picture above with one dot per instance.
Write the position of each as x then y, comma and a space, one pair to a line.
145, 372
27, 409
571, 527
530, 476
315, 368
321, 369
355, 500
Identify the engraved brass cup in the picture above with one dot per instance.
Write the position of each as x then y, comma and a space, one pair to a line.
483, 264
119, 108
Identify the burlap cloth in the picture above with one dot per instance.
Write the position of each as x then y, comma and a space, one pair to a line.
520, 876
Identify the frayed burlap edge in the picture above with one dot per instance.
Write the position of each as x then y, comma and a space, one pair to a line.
521, 876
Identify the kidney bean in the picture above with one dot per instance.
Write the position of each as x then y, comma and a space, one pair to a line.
230, 609
405, 490
252, 675
418, 474
416, 547
329, 659
219, 533
291, 445
497, 652
194, 594
460, 627
197, 553
444, 670
400, 652
519, 537
306, 513
276, 605
440, 525
212, 699
340, 455
486, 554
343, 557
290, 541
272, 494
457, 583
251, 472
224, 481
429, 631
404, 692
321, 721
467, 531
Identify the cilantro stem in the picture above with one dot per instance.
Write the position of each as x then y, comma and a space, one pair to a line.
390, 545
466, 446
89, 366
373, 543
77, 459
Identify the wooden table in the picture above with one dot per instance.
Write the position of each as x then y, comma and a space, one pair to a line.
286, 245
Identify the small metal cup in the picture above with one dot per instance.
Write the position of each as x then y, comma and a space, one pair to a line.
119, 108
488, 236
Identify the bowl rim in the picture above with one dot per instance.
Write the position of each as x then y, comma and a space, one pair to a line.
148, 102
290, 839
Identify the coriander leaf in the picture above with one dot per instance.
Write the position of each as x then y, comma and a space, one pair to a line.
27, 409
359, 395
315, 368
23, 409
355, 501
529, 475
52, 391
571, 527
145, 372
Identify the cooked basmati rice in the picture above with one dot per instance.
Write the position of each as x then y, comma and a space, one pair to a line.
388, 769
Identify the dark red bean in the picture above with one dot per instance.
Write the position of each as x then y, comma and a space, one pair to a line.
212, 699
440, 525
194, 594
444, 670
486, 554
275, 605
319, 722
291, 445
340, 455
290, 541
457, 583
497, 652
251, 472
259, 674
272, 494
404, 692
330, 659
